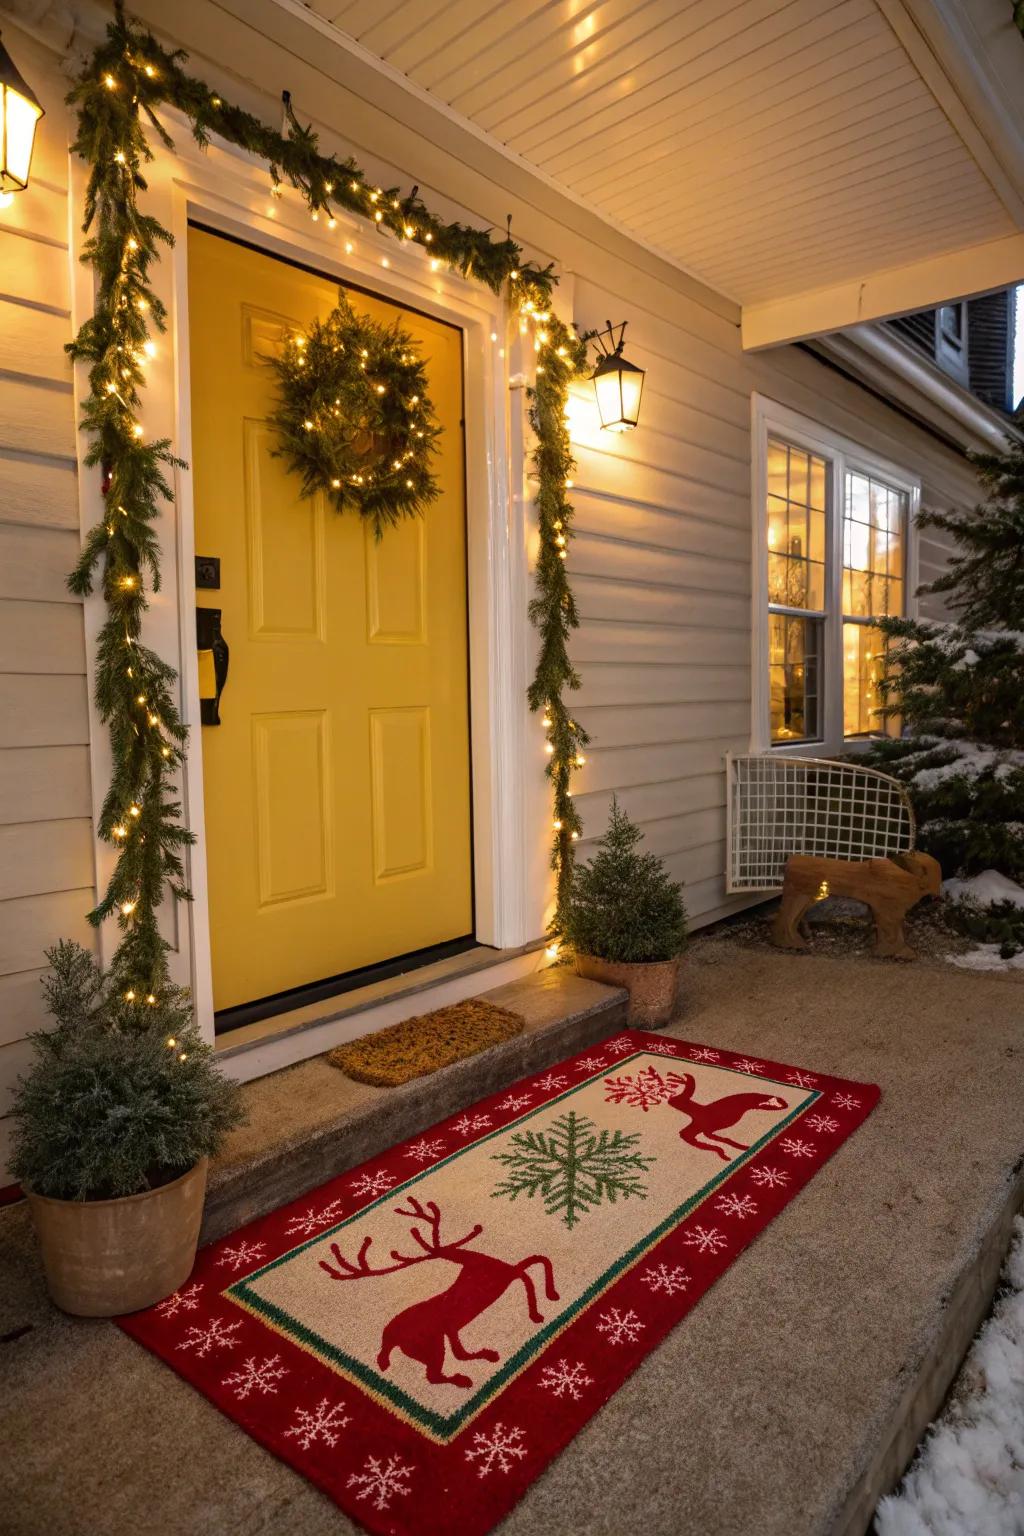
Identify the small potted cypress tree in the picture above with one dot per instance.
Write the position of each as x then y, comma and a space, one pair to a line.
114, 1125
626, 922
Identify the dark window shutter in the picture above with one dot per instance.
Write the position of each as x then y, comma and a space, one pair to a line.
918, 328
989, 323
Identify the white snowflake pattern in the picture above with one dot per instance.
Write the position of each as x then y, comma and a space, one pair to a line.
311, 1221
381, 1481
375, 1184
499, 1447
516, 1101
426, 1149
845, 1101
705, 1053
736, 1205
324, 1422
706, 1239
566, 1380
744, 1064
663, 1048
242, 1254
467, 1125
669, 1281
619, 1046
794, 1146
590, 1064
620, 1327
643, 1091
216, 1334
552, 1080
823, 1123
770, 1178
256, 1376
185, 1300
801, 1079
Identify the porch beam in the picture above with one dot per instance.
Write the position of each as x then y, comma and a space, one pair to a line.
879, 295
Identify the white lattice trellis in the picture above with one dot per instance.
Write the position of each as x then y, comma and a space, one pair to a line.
778, 806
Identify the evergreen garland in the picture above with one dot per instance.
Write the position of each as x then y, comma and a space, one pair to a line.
128, 78
354, 419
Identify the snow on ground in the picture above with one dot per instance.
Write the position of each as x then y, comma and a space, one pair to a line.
988, 887
986, 957
968, 1476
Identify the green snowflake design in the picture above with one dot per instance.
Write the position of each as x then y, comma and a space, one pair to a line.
572, 1168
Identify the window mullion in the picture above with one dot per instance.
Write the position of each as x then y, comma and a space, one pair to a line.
833, 668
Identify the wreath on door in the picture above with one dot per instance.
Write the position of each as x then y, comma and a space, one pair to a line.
353, 417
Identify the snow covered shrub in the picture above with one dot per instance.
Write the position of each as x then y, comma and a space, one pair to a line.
968, 800
944, 680
122, 1096
958, 691
622, 905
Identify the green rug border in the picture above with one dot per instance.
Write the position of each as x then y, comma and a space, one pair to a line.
446, 1427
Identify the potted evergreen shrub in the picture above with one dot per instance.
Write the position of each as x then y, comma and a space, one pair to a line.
113, 1127
626, 922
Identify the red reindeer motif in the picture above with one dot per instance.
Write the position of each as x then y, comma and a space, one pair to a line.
422, 1329
710, 1120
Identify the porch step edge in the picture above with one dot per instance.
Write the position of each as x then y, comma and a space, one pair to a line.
309, 1122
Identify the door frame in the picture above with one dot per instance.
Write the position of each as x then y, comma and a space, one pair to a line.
227, 191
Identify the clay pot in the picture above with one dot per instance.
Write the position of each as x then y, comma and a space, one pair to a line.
105, 1257
652, 986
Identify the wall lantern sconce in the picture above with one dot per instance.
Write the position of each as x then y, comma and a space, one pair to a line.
20, 111
617, 383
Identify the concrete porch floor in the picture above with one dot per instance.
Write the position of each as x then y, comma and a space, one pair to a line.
790, 1396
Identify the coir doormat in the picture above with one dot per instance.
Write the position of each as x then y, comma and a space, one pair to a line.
422, 1335
426, 1043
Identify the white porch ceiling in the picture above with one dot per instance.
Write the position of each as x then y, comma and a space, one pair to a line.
776, 149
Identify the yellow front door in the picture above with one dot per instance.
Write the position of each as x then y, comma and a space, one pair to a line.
337, 785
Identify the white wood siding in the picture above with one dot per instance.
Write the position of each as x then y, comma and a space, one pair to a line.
46, 841
661, 565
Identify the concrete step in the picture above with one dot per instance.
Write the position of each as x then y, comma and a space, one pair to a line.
310, 1122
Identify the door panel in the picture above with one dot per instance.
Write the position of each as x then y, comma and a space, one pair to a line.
337, 786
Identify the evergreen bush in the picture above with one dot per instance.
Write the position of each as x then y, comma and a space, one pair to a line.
122, 1096
622, 905
958, 691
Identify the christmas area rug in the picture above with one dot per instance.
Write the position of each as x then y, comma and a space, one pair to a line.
422, 1335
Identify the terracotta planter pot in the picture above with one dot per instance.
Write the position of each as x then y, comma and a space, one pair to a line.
652, 985
105, 1257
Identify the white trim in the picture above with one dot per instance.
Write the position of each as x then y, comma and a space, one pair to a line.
842, 453
228, 190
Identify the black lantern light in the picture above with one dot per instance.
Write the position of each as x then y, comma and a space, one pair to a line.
20, 111
617, 383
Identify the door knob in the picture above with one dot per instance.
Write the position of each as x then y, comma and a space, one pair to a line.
210, 638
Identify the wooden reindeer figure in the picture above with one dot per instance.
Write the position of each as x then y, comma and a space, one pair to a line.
709, 1120
423, 1329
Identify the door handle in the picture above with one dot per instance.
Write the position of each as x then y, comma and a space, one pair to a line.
210, 638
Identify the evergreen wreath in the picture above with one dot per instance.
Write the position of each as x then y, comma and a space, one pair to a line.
354, 419
128, 78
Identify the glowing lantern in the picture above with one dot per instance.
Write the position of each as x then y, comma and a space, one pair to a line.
19, 114
617, 383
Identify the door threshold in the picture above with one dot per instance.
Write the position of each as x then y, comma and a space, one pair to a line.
346, 1005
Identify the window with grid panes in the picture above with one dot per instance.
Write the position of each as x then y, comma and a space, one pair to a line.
836, 558
797, 503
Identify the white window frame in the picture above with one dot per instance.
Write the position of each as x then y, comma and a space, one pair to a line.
770, 419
